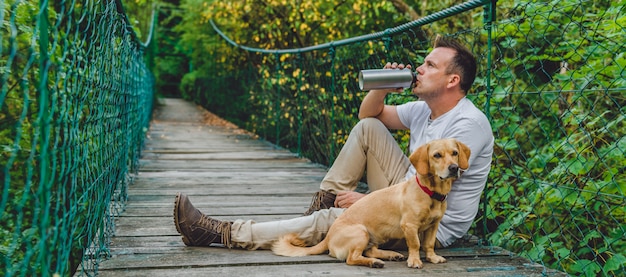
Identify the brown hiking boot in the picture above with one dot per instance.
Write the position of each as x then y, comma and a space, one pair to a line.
197, 228
321, 200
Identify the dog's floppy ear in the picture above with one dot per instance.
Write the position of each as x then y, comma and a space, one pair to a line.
464, 154
419, 159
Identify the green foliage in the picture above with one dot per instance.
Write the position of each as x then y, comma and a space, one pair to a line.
559, 115
139, 13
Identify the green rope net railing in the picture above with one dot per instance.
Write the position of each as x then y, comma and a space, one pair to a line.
75, 103
552, 80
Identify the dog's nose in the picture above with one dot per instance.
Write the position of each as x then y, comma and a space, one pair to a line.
453, 168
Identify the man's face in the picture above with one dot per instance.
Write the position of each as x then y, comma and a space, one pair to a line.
432, 77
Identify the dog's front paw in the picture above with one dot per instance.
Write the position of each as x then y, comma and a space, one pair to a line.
398, 257
413, 262
377, 264
436, 259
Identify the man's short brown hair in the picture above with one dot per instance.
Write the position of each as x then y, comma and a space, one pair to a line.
463, 63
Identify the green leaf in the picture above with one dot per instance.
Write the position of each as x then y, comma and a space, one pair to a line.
563, 253
587, 267
615, 263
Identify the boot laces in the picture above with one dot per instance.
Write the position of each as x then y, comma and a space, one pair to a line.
217, 227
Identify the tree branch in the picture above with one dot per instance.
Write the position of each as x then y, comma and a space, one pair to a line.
404, 8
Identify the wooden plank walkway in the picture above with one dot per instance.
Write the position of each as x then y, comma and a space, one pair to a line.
229, 174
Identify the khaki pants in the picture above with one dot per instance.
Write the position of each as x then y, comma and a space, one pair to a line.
370, 147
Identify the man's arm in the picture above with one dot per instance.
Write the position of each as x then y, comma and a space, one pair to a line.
373, 104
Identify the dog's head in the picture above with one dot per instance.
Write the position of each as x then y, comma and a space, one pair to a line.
444, 158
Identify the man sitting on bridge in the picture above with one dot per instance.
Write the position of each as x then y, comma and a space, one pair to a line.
442, 111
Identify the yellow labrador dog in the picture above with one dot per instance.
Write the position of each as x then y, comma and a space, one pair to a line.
404, 210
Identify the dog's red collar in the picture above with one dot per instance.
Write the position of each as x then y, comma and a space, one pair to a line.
432, 194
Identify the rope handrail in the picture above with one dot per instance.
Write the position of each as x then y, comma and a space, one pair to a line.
145, 44
460, 8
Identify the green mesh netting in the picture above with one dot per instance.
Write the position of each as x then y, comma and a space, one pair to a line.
75, 103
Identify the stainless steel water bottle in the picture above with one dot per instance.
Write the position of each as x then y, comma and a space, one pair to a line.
386, 78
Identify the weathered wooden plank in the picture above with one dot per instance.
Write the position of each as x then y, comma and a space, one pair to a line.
204, 200
167, 132
303, 170
160, 129
167, 243
198, 149
238, 263
234, 176
229, 190
260, 178
240, 155
204, 256
239, 163
335, 270
265, 256
244, 203
196, 145
230, 165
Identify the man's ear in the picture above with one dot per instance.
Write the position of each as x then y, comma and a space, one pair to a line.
464, 155
454, 80
419, 159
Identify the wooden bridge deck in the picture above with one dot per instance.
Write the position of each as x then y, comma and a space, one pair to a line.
229, 174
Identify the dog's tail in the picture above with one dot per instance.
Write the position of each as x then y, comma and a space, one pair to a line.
292, 246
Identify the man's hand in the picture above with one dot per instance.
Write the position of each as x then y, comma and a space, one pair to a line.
345, 199
394, 65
